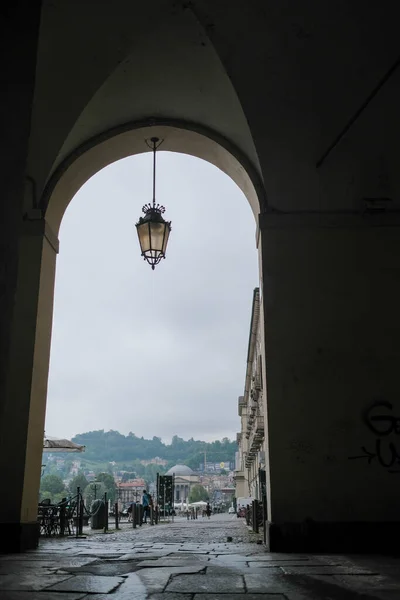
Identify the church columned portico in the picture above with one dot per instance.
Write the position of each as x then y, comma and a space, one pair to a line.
185, 478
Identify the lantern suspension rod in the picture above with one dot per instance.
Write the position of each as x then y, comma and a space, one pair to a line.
156, 143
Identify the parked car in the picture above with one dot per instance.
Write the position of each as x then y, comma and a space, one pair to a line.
231, 510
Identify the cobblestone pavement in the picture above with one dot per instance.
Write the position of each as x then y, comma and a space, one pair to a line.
216, 559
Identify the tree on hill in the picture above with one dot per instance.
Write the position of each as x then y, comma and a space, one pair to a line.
128, 476
105, 446
197, 493
109, 484
78, 481
53, 484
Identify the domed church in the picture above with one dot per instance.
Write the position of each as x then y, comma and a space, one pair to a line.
185, 478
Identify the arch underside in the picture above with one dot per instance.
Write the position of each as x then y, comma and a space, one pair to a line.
129, 140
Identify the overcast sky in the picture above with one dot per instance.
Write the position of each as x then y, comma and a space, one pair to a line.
158, 352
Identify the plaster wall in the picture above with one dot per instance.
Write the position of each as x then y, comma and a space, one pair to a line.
279, 82
301, 71
120, 66
331, 287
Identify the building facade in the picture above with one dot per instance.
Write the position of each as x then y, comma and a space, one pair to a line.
250, 468
185, 479
130, 491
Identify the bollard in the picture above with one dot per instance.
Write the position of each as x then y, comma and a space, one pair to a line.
255, 516
80, 519
62, 518
151, 516
134, 515
116, 515
140, 514
78, 489
105, 513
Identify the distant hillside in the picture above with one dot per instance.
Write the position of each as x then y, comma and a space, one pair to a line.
108, 446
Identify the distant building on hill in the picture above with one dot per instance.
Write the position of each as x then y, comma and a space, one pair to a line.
154, 461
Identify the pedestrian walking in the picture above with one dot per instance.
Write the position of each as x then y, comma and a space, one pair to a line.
208, 510
146, 506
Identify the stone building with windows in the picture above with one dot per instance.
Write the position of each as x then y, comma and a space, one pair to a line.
250, 458
130, 491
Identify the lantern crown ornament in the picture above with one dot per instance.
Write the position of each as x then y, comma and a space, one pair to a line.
153, 231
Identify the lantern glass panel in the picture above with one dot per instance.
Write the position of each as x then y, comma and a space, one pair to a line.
144, 237
166, 237
157, 236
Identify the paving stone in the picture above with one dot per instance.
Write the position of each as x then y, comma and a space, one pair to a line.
322, 570
92, 584
266, 582
238, 597
142, 555
131, 589
268, 564
274, 557
156, 580
369, 582
226, 584
30, 581
173, 596
174, 561
229, 558
268, 571
43, 566
29, 595
103, 568
22, 567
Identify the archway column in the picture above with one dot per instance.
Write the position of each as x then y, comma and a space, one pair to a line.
331, 296
24, 403
20, 29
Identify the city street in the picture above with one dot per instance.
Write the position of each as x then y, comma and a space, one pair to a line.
203, 559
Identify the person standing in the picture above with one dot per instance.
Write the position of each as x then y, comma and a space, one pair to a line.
146, 506
208, 510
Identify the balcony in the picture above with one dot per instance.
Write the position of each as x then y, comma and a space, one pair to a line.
238, 476
241, 405
250, 457
259, 425
256, 437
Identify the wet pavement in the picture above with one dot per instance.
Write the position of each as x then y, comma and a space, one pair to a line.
216, 559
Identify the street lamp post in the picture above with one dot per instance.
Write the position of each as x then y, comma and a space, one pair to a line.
95, 487
153, 231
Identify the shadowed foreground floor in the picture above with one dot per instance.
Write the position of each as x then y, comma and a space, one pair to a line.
190, 560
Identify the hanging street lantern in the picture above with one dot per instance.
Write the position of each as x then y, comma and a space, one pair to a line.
153, 231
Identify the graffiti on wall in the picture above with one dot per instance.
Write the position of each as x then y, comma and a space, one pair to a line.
385, 426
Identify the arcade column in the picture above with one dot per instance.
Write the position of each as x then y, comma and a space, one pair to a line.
331, 296
19, 35
24, 404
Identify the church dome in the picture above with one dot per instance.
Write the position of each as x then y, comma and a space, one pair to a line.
180, 470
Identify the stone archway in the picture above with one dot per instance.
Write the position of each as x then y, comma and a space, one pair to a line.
128, 140
42, 226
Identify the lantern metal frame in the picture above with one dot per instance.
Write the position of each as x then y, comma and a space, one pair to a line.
153, 221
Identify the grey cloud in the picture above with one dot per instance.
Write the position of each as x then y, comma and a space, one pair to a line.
163, 352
